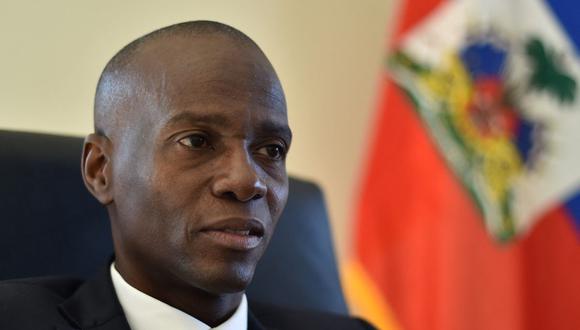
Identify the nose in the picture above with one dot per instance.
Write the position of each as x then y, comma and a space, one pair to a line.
238, 178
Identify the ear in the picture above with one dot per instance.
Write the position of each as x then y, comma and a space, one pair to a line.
96, 167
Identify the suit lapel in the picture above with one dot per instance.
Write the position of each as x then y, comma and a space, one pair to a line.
95, 305
254, 323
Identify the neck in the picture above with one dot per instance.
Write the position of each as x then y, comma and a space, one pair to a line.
210, 308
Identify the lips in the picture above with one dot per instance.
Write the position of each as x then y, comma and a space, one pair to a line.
240, 234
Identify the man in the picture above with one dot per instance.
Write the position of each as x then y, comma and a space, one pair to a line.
188, 156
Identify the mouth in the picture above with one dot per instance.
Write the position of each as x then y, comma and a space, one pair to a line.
241, 234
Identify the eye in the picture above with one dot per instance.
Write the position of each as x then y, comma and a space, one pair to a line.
273, 151
195, 141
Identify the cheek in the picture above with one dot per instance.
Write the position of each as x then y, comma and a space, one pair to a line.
277, 197
147, 210
173, 204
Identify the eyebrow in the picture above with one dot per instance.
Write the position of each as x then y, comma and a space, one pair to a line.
264, 128
209, 118
272, 128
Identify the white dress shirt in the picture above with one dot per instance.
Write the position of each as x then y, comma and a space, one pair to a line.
144, 312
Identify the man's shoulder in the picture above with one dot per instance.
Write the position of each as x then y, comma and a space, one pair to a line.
25, 302
277, 317
43, 288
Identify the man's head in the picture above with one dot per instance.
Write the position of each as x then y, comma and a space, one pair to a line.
189, 157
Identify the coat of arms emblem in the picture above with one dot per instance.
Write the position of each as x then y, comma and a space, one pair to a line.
495, 107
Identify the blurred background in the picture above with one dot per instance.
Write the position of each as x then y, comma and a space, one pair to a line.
443, 133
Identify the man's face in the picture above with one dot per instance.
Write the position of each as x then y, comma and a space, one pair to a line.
198, 167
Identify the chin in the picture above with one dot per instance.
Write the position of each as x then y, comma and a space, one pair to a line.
231, 279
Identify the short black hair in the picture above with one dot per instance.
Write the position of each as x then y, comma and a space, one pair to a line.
125, 56
193, 28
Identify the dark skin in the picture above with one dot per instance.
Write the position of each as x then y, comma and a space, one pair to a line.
192, 169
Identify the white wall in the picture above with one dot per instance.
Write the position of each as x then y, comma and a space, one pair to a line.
328, 53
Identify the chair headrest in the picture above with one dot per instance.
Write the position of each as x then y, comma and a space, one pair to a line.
51, 225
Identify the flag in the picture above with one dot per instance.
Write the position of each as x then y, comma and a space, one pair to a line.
469, 210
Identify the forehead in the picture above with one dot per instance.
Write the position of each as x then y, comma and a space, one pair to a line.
209, 74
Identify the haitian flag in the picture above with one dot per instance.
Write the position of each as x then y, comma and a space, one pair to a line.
469, 216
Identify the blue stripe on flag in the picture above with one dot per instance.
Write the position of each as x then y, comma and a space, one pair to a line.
573, 206
567, 13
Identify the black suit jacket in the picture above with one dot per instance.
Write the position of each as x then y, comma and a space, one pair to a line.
63, 304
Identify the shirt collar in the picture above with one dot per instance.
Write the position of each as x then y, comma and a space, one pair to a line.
144, 312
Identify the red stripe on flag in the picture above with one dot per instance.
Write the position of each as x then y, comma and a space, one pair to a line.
551, 263
418, 232
411, 13
421, 239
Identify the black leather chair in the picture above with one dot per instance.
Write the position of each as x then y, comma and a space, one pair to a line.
50, 225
